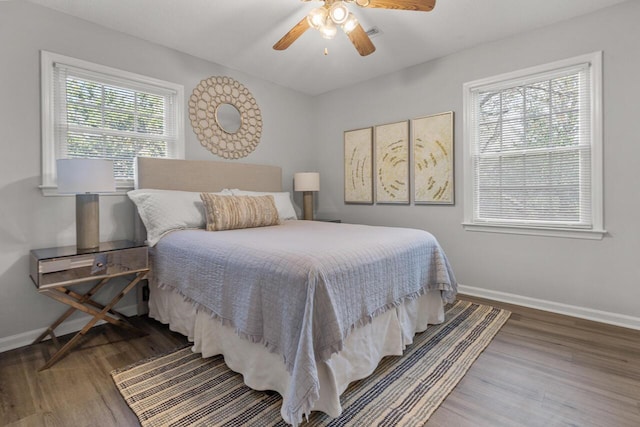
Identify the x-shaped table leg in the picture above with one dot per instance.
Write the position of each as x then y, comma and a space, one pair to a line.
83, 302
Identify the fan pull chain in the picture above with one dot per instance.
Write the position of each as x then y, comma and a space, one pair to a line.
326, 51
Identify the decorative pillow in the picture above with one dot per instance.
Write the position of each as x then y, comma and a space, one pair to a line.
233, 212
285, 208
165, 210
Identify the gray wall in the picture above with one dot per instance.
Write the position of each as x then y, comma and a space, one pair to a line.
30, 220
594, 275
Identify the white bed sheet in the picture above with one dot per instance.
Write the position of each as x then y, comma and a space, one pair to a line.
388, 334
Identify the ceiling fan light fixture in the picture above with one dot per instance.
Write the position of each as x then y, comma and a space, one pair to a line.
338, 12
350, 23
335, 13
328, 30
317, 17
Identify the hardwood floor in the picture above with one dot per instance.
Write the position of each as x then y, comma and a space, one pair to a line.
78, 390
542, 369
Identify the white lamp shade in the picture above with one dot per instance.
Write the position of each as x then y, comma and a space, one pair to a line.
85, 176
338, 12
317, 17
306, 181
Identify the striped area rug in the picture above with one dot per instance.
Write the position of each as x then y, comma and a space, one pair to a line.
182, 389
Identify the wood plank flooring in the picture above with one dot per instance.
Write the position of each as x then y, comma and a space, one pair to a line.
542, 369
78, 390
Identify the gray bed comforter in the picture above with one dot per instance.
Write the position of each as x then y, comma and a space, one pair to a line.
300, 287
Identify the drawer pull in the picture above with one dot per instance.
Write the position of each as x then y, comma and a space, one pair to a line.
99, 264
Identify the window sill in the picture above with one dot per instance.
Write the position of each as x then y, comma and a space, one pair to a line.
570, 233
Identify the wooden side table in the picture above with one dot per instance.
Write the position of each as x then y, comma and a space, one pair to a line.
55, 270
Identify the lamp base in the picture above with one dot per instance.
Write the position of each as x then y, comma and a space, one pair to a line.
307, 205
87, 222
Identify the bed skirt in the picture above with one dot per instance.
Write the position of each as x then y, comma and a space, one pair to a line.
388, 334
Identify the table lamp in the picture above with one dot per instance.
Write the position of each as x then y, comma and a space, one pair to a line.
307, 182
85, 178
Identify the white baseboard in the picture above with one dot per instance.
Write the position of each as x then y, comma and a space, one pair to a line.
554, 307
26, 338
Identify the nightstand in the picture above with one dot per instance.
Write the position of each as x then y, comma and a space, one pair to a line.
55, 270
327, 220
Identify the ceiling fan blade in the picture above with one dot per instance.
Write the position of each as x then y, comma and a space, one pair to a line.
417, 5
292, 35
361, 41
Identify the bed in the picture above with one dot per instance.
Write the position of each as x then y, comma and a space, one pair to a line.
300, 307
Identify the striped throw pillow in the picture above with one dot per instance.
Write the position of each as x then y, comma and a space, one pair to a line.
233, 212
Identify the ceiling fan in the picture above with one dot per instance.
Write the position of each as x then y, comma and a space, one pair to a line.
334, 13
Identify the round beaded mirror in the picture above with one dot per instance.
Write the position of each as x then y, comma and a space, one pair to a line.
225, 117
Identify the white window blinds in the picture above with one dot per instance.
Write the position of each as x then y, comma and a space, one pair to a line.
103, 113
531, 147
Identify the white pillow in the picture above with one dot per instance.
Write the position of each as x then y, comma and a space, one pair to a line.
165, 210
282, 198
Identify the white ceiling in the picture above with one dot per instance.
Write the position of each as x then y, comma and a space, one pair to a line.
239, 34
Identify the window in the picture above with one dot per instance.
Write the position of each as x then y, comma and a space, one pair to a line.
93, 111
533, 150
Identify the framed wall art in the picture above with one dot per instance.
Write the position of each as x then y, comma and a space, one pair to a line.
392, 163
358, 166
432, 142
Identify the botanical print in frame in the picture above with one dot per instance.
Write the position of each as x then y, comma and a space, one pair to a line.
432, 140
392, 163
358, 166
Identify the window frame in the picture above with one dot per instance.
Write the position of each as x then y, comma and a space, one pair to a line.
596, 231
47, 64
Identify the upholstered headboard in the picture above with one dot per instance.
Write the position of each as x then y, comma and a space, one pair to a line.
205, 175
202, 175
